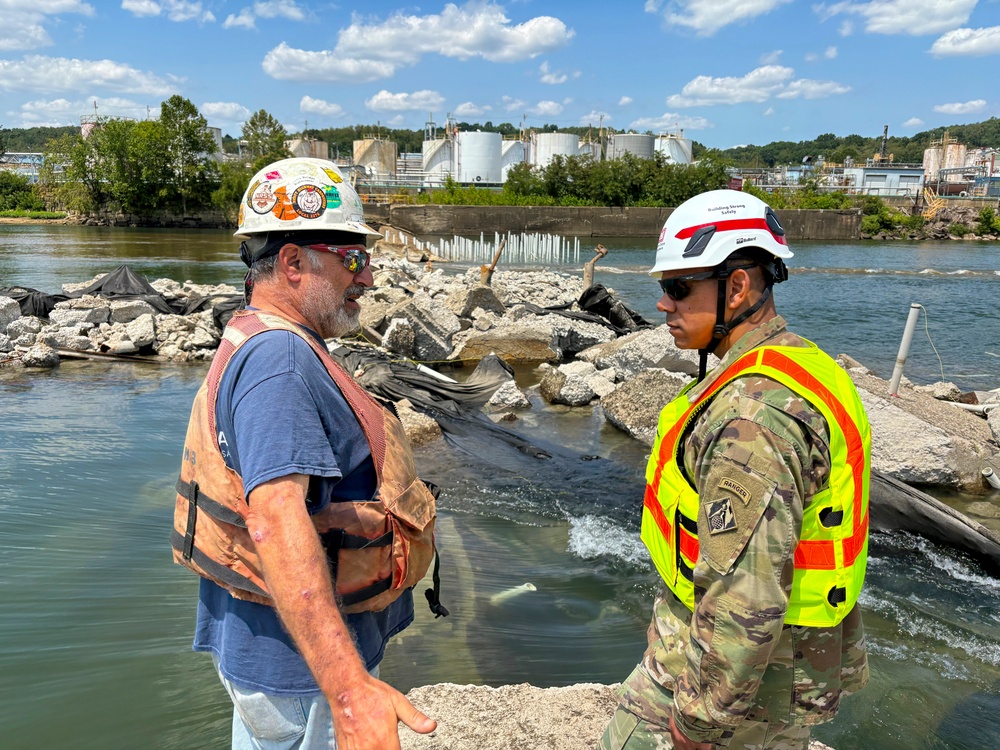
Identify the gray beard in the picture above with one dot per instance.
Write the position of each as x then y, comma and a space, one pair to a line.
331, 316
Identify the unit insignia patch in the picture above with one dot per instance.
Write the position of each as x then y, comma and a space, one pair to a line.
720, 516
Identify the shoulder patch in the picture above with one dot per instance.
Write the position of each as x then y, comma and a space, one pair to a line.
720, 516
733, 500
736, 488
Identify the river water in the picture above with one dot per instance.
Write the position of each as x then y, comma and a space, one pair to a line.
96, 622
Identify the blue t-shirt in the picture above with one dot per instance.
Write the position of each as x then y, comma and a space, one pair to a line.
279, 413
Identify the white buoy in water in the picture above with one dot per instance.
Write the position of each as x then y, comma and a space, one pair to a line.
511, 593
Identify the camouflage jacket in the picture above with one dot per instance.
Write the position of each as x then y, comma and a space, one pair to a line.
733, 657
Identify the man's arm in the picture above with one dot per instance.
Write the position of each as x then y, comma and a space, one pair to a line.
365, 710
750, 486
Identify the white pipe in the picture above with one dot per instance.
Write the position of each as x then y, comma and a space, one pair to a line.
991, 478
511, 593
904, 349
975, 408
434, 374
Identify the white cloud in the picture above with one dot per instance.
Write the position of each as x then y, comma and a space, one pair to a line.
625, 101
913, 17
808, 89
320, 107
228, 111
757, 86
510, 104
771, 57
846, 28
913, 122
830, 53
961, 108
670, 121
370, 51
61, 112
55, 74
384, 101
546, 108
769, 111
175, 10
594, 117
468, 109
551, 77
397, 122
247, 17
968, 42
22, 21
288, 64
708, 16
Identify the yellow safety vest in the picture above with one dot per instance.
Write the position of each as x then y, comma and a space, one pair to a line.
832, 554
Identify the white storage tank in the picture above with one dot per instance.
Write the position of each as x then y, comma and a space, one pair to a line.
954, 158
438, 161
477, 158
512, 153
675, 150
637, 144
591, 149
545, 146
377, 156
932, 162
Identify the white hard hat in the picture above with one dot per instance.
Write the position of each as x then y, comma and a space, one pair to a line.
705, 230
301, 194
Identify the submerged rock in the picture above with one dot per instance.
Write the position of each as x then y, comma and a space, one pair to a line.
40, 355
635, 406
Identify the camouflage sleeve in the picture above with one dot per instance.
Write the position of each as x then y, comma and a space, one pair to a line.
750, 484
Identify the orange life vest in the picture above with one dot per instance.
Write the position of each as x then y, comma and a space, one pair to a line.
376, 548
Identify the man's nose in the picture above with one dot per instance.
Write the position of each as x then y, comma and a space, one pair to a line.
365, 277
666, 305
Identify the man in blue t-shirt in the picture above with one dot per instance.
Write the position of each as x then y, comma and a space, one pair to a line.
301, 674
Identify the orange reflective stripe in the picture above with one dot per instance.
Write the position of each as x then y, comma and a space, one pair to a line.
819, 554
689, 545
653, 505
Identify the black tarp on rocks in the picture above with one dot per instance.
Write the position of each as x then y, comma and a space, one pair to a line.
32, 301
599, 300
124, 283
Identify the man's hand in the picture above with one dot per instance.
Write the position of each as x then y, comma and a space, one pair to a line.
366, 716
681, 742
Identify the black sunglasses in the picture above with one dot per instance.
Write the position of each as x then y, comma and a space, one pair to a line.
678, 287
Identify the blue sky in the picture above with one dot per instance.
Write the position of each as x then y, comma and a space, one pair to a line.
727, 72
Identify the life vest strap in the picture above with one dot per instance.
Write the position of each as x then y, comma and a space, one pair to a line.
217, 570
216, 510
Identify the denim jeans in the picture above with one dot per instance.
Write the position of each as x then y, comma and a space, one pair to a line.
280, 722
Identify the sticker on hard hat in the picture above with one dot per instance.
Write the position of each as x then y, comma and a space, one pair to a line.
283, 209
261, 198
332, 196
334, 177
301, 169
275, 175
743, 240
240, 216
309, 201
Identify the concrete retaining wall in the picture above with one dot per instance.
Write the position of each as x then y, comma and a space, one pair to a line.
588, 221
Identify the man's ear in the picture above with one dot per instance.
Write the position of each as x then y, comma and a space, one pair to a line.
740, 285
292, 262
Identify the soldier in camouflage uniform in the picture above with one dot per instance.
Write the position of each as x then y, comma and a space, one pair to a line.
732, 671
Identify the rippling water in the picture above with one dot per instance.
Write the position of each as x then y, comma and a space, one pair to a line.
97, 623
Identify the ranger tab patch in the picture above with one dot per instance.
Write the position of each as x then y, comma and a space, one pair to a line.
720, 516
736, 488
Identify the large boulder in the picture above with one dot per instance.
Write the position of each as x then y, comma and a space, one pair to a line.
89, 309
640, 350
127, 310
27, 324
508, 396
40, 355
399, 337
178, 336
920, 440
636, 404
419, 428
142, 330
516, 343
433, 326
10, 311
575, 384
465, 301
6, 345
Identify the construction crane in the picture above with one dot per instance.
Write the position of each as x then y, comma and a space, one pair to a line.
883, 152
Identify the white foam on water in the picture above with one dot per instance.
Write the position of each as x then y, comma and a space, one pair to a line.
960, 272
956, 568
592, 536
614, 269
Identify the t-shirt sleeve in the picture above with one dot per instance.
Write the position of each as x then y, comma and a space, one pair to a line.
277, 427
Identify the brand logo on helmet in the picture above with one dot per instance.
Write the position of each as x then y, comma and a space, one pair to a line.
309, 201
262, 198
743, 240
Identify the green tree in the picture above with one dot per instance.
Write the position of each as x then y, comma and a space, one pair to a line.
265, 138
59, 184
234, 176
189, 147
17, 194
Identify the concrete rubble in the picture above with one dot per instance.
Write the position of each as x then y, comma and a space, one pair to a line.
418, 311
515, 717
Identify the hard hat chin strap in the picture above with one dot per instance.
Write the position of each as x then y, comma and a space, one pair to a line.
722, 328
